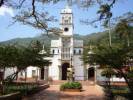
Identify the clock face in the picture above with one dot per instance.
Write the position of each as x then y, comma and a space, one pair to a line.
66, 29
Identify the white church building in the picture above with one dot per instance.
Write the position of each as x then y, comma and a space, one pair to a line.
66, 51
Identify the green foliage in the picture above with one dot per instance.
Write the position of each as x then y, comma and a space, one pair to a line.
71, 85
124, 30
11, 56
108, 72
21, 87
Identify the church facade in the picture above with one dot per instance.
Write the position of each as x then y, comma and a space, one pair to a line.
66, 51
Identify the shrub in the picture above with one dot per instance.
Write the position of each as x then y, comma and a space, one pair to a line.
71, 85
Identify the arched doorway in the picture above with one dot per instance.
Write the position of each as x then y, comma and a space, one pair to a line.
64, 70
42, 73
91, 73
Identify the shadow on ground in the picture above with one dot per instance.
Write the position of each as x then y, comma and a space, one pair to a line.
53, 93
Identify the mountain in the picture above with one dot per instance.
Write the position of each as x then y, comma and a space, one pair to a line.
47, 38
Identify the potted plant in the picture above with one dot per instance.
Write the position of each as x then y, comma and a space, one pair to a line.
71, 87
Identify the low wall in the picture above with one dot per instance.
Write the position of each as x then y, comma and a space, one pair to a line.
12, 96
41, 87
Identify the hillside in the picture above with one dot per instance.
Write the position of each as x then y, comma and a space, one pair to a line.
47, 38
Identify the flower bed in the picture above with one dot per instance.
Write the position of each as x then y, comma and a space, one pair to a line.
71, 87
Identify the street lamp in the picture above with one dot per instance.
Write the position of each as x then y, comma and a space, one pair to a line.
70, 71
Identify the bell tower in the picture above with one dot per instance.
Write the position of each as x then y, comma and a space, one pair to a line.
66, 21
66, 38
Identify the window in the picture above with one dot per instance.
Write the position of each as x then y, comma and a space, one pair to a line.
66, 29
58, 51
66, 21
69, 19
79, 51
74, 51
33, 73
53, 51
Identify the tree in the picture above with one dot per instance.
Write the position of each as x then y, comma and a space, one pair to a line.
8, 55
116, 59
124, 29
33, 16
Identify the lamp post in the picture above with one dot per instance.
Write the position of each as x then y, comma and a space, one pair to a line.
70, 71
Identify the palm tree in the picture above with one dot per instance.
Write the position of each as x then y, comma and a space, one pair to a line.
105, 14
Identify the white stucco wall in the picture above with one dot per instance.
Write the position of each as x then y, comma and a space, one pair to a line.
9, 71
113, 79
117, 79
54, 69
30, 69
56, 51
99, 77
78, 68
29, 72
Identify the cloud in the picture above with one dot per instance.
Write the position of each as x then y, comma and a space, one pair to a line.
6, 10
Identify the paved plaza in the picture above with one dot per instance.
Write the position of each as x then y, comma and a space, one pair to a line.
90, 92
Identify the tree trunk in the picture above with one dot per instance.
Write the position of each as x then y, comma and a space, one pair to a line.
110, 38
25, 75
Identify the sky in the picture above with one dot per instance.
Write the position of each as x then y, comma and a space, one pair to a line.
19, 30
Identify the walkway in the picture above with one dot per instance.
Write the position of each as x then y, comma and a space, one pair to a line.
91, 92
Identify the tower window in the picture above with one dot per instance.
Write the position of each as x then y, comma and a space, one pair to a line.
66, 21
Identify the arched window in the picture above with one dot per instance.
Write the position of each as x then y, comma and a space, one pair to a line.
74, 52
66, 21
79, 51
53, 51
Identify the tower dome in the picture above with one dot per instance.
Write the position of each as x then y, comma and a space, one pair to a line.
67, 9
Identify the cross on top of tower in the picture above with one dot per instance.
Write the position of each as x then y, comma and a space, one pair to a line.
67, 8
